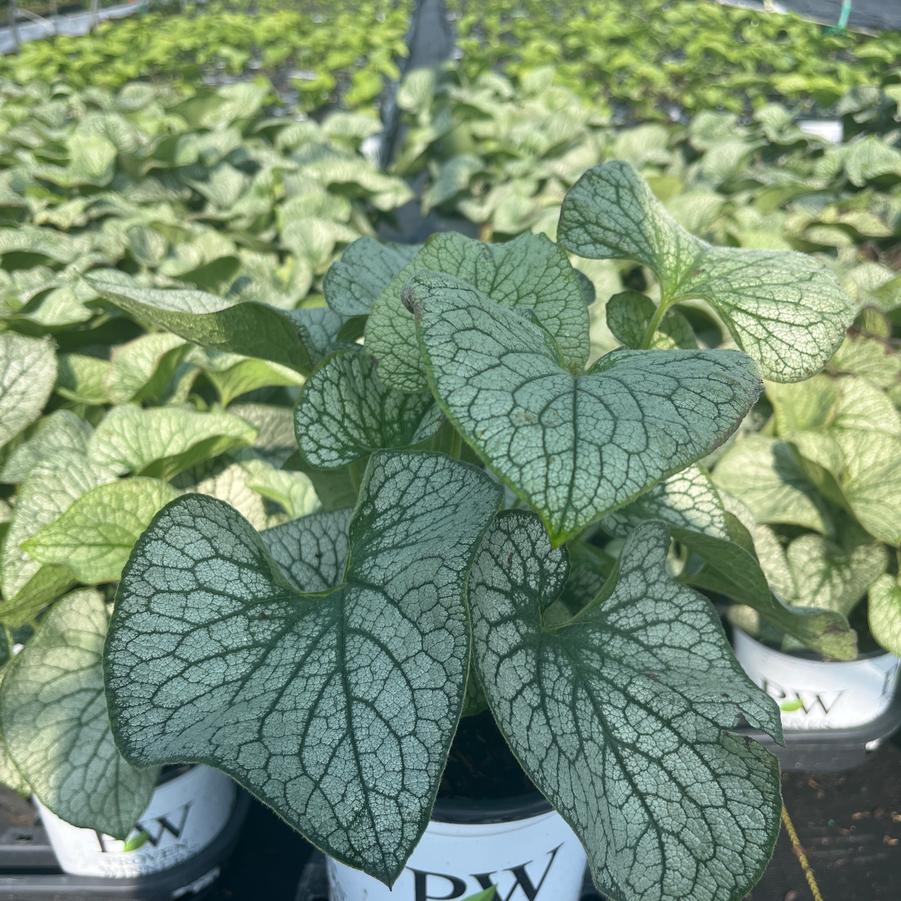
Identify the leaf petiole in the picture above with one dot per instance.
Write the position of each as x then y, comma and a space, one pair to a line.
648, 337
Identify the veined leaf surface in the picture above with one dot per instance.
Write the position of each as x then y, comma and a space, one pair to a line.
621, 716
685, 500
366, 267
529, 274
572, 446
885, 612
94, 537
334, 701
27, 374
785, 309
345, 413
55, 723
163, 441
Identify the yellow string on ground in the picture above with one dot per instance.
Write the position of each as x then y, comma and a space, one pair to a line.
806, 868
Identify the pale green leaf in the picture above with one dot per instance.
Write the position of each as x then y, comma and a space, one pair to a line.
885, 613
55, 723
83, 379
730, 566
94, 537
27, 374
870, 358
365, 269
831, 577
289, 706
163, 441
294, 491
766, 475
528, 274
345, 412
848, 433
621, 717
142, 369
229, 482
573, 447
785, 309
59, 431
233, 375
50, 489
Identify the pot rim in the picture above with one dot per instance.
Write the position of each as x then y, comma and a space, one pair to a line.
472, 811
811, 656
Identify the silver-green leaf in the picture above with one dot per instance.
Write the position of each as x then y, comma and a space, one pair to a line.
785, 309
529, 274
574, 447
366, 267
345, 412
621, 717
55, 723
334, 701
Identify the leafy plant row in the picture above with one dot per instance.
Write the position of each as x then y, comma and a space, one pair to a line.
206, 193
317, 56
644, 59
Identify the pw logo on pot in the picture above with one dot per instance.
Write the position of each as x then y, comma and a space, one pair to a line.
517, 882
152, 832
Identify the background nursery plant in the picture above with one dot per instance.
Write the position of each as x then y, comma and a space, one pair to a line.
469, 464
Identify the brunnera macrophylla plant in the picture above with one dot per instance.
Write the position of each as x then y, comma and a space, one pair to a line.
323, 663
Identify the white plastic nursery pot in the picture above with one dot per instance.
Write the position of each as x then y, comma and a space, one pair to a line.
817, 694
185, 814
521, 846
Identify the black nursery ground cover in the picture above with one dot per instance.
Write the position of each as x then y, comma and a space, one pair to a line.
849, 825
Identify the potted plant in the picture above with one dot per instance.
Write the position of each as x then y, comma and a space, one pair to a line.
819, 488
325, 663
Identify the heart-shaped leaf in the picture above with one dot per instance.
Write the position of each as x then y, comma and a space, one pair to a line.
58, 431
621, 716
336, 688
344, 413
52, 486
785, 309
366, 267
94, 537
574, 447
848, 433
832, 577
55, 723
529, 274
